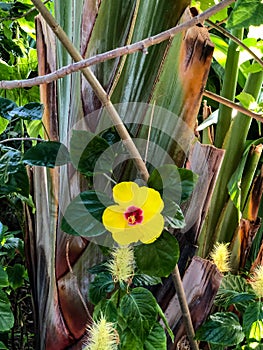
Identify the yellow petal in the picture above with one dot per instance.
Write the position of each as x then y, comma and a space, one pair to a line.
113, 217
126, 236
152, 229
123, 192
152, 205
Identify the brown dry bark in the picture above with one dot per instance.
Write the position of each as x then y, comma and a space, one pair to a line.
201, 282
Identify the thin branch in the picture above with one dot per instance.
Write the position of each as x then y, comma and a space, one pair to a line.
236, 40
184, 308
124, 50
233, 105
22, 139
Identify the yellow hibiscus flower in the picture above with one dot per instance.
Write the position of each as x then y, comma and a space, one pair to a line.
136, 216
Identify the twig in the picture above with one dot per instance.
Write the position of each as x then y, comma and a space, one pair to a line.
22, 139
236, 40
233, 105
90, 321
184, 308
124, 50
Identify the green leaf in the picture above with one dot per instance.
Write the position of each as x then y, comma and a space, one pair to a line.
2, 346
48, 154
16, 275
140, 280
253, 314
234, 290
6, 106
247, 100
173, 183
158, 258
13, 175
83, 215
98, 289
3, 124
34, 128
3, 278
156, 339
256, 334
6, 315
162, 315
87, 152
130, 341
108, 309
246, 13
138, 308
30, 111
222, 328
253, 68
175, 220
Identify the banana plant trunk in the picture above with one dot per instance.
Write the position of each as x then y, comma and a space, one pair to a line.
172, 76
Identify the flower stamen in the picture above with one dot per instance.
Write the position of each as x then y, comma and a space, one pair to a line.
134, 215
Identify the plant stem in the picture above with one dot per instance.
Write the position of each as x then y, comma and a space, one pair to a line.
184, 308
228, 89
22, 139
234, 145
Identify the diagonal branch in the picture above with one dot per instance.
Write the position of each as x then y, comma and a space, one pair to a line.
121, 51
231, 104
98, 89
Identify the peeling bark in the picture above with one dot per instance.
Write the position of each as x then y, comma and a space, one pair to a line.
201, 282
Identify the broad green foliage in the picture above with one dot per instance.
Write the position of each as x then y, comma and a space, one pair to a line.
48, 154
11, 277
222, 329
246, 13
225, 328
6, 315
164, 252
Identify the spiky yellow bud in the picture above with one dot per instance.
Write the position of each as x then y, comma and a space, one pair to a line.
121, 264
257, 281
102, 336
220, 256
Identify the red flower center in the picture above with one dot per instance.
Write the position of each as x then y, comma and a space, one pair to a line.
134, 215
